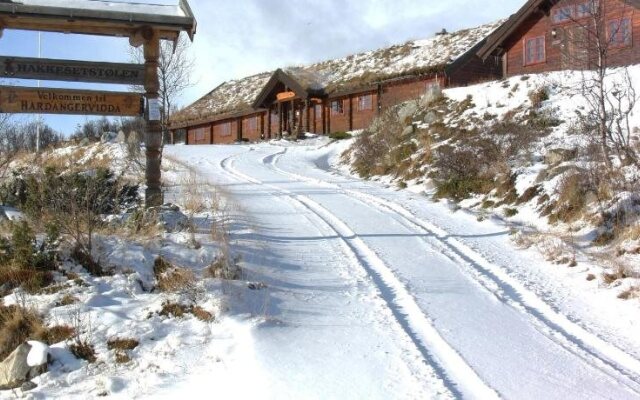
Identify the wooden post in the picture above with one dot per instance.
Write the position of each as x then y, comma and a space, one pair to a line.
269, 123
239, 129
327, 112
307, 116
292, 117
350, 112
280, 121
153, 137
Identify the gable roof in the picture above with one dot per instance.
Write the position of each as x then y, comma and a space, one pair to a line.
339, 76
503, 32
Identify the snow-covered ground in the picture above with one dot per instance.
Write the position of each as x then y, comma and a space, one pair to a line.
377, 293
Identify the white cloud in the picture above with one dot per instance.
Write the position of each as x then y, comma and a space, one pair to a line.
240, 38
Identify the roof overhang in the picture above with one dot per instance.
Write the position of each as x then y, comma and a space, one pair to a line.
97, 17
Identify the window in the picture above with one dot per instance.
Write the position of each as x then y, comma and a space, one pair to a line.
365, 102
199, 134
337, 107
275, 116
318, 111
253, 123
619, 32
225, 129
534, 50
587, 9
562, 14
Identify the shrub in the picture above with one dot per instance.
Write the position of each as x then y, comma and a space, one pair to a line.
459, 173
23, 242
572, 191
538, 96
510, 212
340, 135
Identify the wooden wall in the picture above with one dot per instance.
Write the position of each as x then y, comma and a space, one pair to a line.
541, 24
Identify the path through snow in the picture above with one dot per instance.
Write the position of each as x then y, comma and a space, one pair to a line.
378, 294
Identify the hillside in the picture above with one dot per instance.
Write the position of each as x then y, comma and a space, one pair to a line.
522, 150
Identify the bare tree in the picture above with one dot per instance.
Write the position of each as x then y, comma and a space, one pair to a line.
589, 43
175, 72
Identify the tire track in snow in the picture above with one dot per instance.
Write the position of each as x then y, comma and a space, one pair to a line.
595, 351
458, 376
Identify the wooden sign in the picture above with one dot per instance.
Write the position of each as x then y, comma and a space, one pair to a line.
71, 71
21, 100
285, 96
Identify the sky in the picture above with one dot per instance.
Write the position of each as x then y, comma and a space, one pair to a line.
244, 37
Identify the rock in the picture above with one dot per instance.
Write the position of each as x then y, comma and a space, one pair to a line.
171, 218
406, 112
430, 118
409, 130
134, 138
434, 92
16, 370
85, 142
108, 137
121, 137
28, 386
10, 213
557, 156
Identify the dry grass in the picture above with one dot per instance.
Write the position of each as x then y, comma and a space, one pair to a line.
632, 293
67, 300
17, 325
176, 310
84, 351
58, 334
617, 273
176, 280
202, 314
30, 280
172, 279
122, 344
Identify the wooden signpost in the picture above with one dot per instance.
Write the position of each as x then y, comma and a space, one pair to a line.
144, 24
21, 100
71, 71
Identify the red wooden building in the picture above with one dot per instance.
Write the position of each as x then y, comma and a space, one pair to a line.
552, 35
336, 95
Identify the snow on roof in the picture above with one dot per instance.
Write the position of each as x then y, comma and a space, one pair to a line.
113, 6
348, 73
232, 97
414, 57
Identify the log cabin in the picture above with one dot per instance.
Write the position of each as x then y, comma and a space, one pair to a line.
552, 35
337, 95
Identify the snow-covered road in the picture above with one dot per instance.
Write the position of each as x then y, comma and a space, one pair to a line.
374, 293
